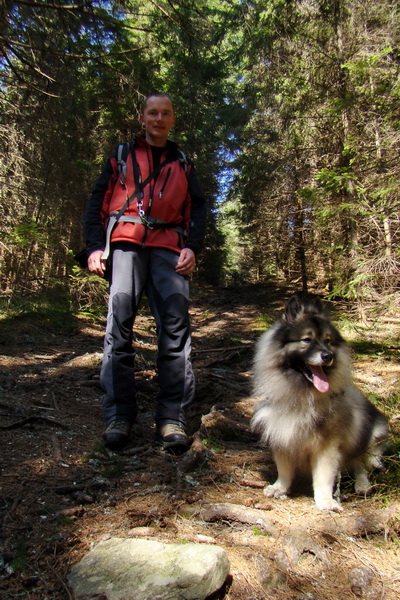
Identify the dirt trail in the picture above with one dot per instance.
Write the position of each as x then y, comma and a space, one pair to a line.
61, 492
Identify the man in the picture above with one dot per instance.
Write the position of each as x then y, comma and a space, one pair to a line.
153, 247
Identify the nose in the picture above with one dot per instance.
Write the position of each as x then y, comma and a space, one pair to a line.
327, 357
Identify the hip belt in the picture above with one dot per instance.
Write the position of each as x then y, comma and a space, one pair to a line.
149, 222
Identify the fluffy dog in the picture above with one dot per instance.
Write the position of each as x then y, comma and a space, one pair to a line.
310, 414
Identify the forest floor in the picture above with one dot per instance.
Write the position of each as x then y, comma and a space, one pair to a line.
61, 492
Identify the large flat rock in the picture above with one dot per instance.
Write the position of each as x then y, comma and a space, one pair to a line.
137, 569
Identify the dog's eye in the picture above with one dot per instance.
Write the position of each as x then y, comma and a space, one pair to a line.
328, 340
306, 340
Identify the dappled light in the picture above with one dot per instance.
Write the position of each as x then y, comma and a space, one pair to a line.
63, 492
290, 114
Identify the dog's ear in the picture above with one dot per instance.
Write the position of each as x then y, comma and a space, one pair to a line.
292, 308
302, 303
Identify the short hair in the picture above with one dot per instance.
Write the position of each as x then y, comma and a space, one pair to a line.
156, 95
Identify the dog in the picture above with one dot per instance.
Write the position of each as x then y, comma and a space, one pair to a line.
314, 419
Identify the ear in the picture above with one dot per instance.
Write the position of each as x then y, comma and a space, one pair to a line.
303, 303
293, 308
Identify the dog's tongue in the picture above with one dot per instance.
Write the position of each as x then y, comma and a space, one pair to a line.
319, 378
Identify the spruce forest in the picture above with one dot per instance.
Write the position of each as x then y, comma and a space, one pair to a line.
290, 110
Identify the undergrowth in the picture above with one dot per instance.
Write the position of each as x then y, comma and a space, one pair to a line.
44, 311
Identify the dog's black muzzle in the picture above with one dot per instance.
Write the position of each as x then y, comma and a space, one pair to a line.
327, 357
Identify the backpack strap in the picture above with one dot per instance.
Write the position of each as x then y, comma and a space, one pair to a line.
122, 155
183, 160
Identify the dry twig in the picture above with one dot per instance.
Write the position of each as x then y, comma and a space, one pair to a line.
34, 419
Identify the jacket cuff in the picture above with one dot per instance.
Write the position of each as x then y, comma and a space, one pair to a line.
94, 248
194, 249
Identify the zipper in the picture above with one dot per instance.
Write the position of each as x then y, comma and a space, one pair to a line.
151, 166
160, 193
152, 189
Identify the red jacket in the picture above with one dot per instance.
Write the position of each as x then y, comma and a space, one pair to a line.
174, 196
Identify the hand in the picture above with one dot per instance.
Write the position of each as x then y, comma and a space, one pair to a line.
186, 262
96, 264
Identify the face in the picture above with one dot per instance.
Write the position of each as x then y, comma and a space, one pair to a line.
158, 119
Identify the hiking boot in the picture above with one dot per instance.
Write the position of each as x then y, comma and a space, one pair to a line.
116, 434
172, 437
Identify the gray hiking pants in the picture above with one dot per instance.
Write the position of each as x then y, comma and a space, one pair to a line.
133, 271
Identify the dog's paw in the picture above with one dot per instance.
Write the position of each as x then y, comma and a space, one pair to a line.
363, 485
275, 491
328, 504
364, 490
